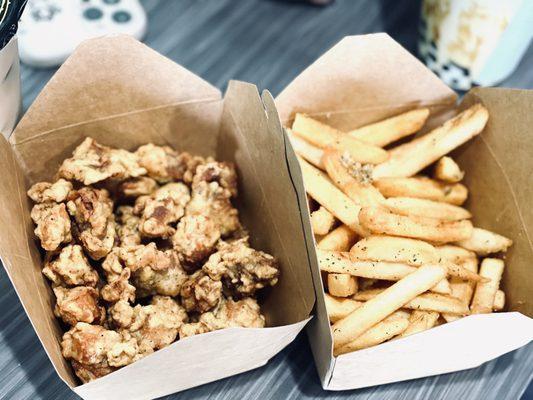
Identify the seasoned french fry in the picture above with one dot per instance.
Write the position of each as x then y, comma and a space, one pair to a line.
343, 172
394, 249
446, 169
342, 285
456, 254
323, 136
366, 283
410, 158
484, 242
391, 326
426, 208
320, 188
499, 301
437, 302
420, 321
483, 301
339, 239
322, 221
392, 129
306, 150
380, 221
421, 187
339, 308
385, 303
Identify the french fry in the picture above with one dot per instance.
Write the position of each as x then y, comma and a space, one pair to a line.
499, 301
323, 136
436, 302
306, 150
394, 249
322, 221
391, 326
456, 254
380, 221
483, 301
339, 308
410, 158
367, 283
421, 187
391, 129
342, 171
484, 242
420, 321
320, 188
426, 208
385, 303
342, 285
446, 169
339, 239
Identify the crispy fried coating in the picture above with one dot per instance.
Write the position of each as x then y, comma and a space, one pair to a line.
52, 225
241, 269
78, 304
195, 239
70, 268
118, 288
127, 226
44, 192
92, 162
135, 187
88, 373
200, 293
244, 313
94, 222
164, 164
162, 209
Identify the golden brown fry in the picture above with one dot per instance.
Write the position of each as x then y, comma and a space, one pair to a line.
384, 304
380, 221
426, 208
342, 285
410, 158
422, 187
420, 321
391, 129
499, 301
339, 239
322, 221
339, 308
306, 150
446, 169
324, 136
484, 242
391, 326
483, 301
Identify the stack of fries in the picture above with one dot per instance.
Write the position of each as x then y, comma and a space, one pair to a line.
398, 253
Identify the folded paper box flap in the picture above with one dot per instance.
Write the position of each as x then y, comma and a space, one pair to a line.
236, 129
367, 78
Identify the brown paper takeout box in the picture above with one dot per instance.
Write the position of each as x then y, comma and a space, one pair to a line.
364, 79
124, 95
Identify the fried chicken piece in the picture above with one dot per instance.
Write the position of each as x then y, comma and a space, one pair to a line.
241, 269
88, 373
135, 187
78, 304
195, 239
44, 192
223, 173
92, 210
92, 162
164, 164
244, 313
128, 226
163, 208
53, 224
70, 268
200, 293
118, 288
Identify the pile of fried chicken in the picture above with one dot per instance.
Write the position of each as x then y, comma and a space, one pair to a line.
142, 248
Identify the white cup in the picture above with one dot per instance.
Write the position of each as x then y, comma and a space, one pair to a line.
10, 99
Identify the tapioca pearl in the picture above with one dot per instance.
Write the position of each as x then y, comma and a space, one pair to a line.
93, 13
121, 17
111, 1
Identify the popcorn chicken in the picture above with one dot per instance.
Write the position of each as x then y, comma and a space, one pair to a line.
244, 313
92, 210
135, 187
165, 207
164, 164
70, 268
78, 304
44, 192
128, 226
119, 288
195, 239
241, 269
92, 162
53, 225
200, 293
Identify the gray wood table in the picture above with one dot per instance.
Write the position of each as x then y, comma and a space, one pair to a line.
267, 43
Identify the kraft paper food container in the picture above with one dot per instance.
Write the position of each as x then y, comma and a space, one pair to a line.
124, 94
364, 79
